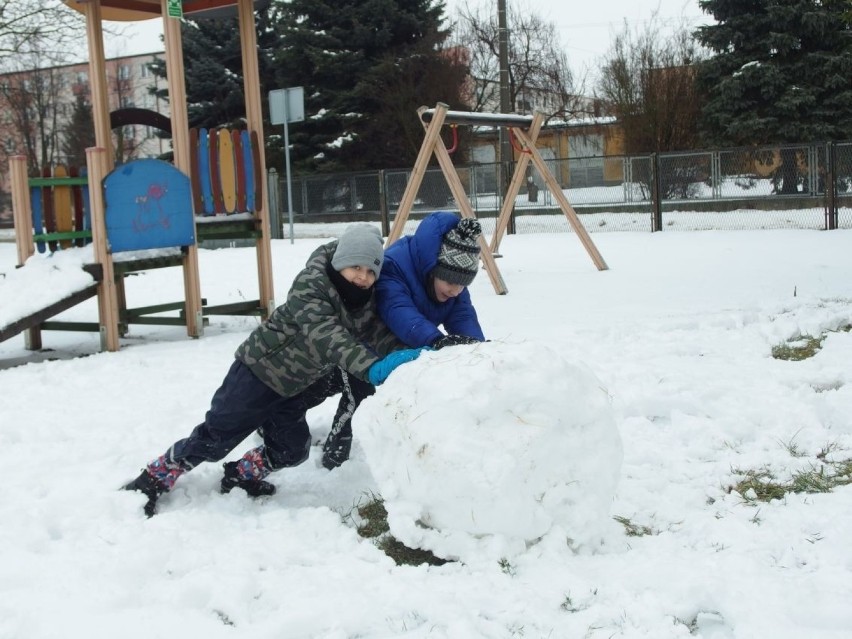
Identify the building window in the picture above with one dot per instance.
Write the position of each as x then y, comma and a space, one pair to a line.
144, 70
124, 72
583, 146
586, 160
82, 77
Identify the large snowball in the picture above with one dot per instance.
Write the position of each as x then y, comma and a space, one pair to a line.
492, 445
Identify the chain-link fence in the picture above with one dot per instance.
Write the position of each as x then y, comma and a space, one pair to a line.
791, 186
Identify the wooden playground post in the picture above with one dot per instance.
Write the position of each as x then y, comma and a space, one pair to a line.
556, 190
453, 181
514, 185
96, 159
254, 119
180, 136
433, 143
98, 81
21, 208
433, 132
23, 218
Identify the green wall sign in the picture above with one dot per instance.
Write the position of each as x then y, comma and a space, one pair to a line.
175, 9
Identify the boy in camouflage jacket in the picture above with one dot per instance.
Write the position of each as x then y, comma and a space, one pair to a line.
326, 339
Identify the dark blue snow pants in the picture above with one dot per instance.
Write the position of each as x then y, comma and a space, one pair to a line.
243, 404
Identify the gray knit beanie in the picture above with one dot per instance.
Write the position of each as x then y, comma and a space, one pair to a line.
458, 259
359, 245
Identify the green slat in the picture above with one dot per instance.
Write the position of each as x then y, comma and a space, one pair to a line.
164, 321
146, 264
157, 308
237, 308
61, 235
54, 325
61, 181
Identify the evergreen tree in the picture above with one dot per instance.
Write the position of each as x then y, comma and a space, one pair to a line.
79, 133
212, 58
213, 68
366, 66
781, 73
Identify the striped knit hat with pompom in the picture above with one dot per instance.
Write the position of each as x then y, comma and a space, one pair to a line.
458, 259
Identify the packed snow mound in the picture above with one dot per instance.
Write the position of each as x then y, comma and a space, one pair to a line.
44, 280
492, 446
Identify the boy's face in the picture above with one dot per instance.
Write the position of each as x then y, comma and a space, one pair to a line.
445, 291
360, 276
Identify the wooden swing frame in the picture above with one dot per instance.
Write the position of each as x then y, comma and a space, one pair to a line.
524, 131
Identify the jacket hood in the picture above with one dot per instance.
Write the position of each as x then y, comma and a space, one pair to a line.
425, 244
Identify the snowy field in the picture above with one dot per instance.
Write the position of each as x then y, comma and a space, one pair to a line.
655, 542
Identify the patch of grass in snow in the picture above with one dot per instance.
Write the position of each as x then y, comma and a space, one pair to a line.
633, 529
374, 518
798, 349
405, 556
507, 567
803, 347
374, 525
823, 476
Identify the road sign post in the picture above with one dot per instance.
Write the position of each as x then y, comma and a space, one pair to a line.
285, 106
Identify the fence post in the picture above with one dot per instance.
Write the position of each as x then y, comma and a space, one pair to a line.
716, 173
276, 232
656, 203
508, 169
383, 204
831, 187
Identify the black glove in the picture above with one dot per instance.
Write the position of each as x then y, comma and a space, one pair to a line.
453, 340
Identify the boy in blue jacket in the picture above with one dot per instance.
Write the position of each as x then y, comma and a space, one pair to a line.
423, 286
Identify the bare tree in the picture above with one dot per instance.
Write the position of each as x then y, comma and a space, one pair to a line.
78, 133
648, 82
29, 24
125, 138
32, 100
539, 75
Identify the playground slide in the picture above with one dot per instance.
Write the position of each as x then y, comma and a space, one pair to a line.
41, 289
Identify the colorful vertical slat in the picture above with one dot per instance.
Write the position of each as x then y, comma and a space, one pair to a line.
223, 171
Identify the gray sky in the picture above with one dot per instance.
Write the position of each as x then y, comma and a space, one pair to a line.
586, 27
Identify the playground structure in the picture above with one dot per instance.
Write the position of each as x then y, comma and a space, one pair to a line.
214, 190
524, 131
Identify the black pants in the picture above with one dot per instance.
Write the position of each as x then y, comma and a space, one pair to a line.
243, 404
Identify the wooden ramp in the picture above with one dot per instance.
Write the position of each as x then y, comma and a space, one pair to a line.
38, 317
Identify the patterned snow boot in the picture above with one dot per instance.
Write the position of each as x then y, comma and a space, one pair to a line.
157, 478
149, 487
248, 474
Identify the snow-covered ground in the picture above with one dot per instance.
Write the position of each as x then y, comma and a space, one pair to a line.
653, 381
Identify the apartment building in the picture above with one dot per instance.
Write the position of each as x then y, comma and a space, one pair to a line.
37, 106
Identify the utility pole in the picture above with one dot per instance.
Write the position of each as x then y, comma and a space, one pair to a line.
506, 153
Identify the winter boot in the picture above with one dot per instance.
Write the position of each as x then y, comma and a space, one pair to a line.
336, 448
159, 477
248, 474
151, 488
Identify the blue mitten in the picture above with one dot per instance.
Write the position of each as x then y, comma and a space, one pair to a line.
379, 371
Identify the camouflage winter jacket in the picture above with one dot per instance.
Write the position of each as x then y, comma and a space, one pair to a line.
313, 332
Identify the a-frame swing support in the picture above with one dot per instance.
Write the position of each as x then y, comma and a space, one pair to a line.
526, 130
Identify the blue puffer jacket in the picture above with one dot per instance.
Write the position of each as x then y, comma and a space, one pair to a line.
401, 295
